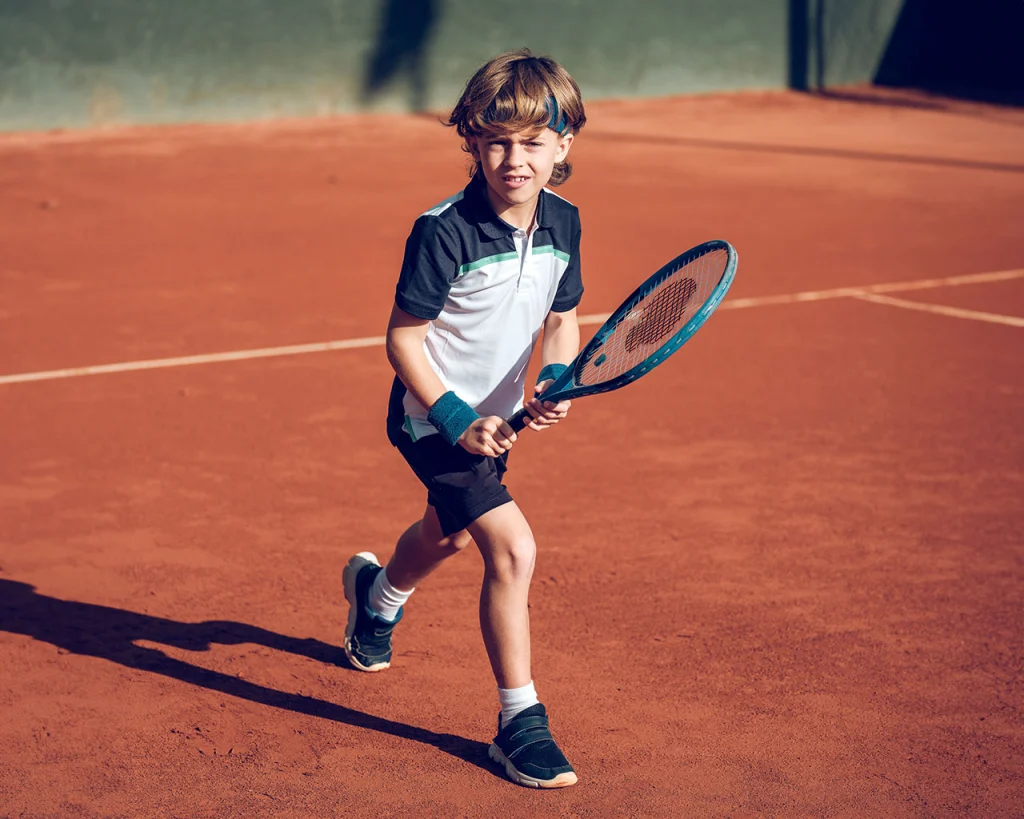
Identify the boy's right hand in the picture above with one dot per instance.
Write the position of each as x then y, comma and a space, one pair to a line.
490, 436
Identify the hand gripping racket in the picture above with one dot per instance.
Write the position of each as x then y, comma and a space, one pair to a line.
656, 320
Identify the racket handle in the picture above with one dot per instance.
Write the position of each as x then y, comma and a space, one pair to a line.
519, 421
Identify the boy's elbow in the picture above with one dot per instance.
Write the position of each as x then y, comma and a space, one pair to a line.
557, 321
400, 348
404, 338
392, 350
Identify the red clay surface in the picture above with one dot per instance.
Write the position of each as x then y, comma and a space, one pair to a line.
780, 577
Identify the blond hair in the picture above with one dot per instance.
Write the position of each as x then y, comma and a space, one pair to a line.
516, 92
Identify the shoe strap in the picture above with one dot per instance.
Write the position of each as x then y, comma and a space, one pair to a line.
520, 738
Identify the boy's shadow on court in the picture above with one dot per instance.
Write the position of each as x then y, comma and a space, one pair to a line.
100, 631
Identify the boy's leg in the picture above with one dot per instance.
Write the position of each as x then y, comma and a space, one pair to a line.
376, 596
508, 549
524, 744
421, 549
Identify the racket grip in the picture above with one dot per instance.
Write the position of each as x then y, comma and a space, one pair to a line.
519, 421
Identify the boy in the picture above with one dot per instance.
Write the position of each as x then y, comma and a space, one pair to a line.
483, 273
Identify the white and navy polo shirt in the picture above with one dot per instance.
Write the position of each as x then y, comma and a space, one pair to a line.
486, 288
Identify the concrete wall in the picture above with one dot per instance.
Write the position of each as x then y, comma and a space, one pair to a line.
77, 63
88, 62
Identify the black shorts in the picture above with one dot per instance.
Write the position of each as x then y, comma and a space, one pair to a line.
460, 486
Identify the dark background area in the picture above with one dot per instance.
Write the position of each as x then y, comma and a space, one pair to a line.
975, 50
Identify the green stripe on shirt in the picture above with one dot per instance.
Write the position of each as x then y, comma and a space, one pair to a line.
500, 257
558, 254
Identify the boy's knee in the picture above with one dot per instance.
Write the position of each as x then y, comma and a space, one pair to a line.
513, 560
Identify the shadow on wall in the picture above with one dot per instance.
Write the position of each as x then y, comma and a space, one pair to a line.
806, 43
798, 44
942, 48
402, 39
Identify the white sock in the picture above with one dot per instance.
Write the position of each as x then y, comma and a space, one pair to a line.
514, 700
385, 600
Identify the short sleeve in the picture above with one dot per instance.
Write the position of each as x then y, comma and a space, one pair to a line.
428, 269
570, 287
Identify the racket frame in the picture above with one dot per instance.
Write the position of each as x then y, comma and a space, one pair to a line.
566, 385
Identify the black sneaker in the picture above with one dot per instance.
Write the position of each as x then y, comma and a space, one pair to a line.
368, 635
529, 753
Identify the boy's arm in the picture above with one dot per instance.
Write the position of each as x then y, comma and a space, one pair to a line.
489, 436
559, 347
561, 338
405, 337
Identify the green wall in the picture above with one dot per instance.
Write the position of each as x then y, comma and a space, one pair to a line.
80, 63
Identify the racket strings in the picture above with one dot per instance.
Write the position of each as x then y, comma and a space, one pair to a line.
661, 313
656, 317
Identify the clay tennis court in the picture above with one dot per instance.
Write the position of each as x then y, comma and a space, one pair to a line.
780, 577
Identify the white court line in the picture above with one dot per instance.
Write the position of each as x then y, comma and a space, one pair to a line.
596, 318
942, 310
891, 287
186, 360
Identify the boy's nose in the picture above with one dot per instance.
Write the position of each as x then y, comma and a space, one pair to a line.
514, 157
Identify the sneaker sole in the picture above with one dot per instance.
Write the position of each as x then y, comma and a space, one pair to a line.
563, 780
348, 577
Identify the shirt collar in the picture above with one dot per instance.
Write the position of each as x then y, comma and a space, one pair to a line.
489, 222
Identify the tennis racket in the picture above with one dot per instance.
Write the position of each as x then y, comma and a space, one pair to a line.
659, 317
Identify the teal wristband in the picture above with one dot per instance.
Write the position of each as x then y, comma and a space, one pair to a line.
451, 416
551, 372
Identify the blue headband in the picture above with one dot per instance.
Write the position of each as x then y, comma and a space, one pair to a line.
557, 121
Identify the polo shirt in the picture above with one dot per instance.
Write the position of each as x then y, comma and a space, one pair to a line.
486, 288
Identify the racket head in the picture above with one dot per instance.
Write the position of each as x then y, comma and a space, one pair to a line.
656, 320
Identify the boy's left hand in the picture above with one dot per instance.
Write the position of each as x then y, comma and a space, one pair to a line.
545, 413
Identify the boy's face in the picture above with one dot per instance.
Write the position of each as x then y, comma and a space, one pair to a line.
517, 166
